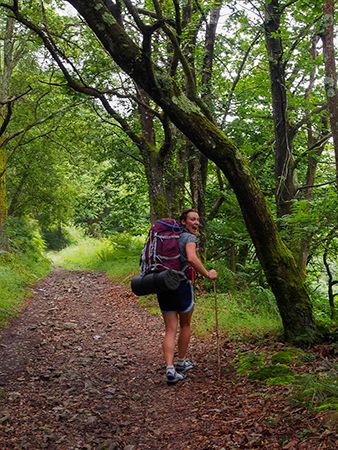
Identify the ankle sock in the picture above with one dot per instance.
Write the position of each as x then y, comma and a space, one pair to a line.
170, 368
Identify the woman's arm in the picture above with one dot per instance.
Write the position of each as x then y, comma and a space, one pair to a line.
196, 263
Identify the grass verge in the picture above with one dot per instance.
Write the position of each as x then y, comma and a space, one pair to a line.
17, 272
118, 257
238, 315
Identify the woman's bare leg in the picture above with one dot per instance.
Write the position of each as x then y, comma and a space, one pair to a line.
171, 322
185, 333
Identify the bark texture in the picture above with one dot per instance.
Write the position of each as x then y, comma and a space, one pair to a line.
165, 182
330, 73
3, 201
284, 163
5, 116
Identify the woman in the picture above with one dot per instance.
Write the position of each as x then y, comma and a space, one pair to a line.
177, 306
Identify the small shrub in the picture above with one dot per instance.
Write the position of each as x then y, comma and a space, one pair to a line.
226, 281
24, 236
59, 238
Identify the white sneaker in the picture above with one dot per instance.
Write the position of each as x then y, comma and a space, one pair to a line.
173, 376
184, 366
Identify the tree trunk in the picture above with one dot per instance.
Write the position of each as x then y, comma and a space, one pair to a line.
312, 161
3, 201
331, 283
284, 164
198, 172
198, 163
191, 117
330, 73
5, 77
165, 184
175, 176
314, 152
157, 196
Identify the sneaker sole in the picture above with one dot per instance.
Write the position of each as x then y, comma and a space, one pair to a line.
175, 380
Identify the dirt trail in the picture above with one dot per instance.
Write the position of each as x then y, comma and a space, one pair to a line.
81, 368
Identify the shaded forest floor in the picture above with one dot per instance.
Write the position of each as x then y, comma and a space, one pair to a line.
81, 368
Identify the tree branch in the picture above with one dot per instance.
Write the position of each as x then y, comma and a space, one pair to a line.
39, 122
7, 119
153, 15
316, 185
191, 91
15, 98
9, 103
124, 124
238, 76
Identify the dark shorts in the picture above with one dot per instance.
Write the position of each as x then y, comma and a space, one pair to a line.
180, 300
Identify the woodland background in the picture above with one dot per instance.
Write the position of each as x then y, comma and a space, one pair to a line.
229, 107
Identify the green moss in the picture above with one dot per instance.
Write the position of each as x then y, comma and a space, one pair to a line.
185, 104
98, 6
161, 206
274, 371
317, 391
250, 363
164, 83
329, 86
286, 356
108, 18
281, 380
327, 20
330, 404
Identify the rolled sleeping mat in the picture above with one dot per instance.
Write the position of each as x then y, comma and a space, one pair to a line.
155, 282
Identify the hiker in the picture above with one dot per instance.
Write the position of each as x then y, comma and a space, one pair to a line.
177, 306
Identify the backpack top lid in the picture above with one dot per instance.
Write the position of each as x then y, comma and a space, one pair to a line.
163, 225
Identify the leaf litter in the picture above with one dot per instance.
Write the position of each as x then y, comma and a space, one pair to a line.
82, 368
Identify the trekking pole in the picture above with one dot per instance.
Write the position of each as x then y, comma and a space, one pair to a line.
217, 333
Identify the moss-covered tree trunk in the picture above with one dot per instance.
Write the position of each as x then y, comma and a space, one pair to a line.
327, 36
5, 117
3, 201
191, 117
165, 178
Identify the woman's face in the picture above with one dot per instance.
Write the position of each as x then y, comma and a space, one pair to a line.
192, 222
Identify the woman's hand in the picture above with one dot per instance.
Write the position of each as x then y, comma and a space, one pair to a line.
212, 274
195, 262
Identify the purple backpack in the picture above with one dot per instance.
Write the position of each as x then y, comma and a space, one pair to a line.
161, 251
